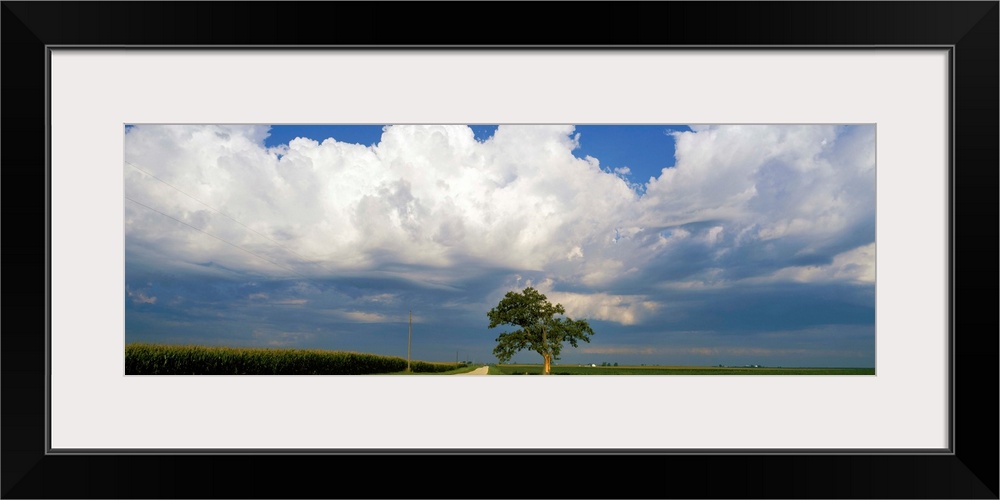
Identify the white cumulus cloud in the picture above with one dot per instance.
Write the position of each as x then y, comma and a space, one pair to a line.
433, 204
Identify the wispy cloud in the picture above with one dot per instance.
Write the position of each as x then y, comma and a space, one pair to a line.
381, 298
139, 296
290, 302
856, 265
365, 317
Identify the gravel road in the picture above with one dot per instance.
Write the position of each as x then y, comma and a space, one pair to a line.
482, 370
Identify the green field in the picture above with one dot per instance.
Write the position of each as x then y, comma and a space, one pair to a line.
162, 359
671, 370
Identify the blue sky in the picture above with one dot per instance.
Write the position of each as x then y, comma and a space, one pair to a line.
698, 245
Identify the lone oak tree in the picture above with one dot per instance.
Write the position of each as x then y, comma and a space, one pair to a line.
540, 330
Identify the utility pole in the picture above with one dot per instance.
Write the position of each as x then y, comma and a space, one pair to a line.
409, 340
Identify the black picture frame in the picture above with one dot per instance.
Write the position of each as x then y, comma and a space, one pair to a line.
969, 28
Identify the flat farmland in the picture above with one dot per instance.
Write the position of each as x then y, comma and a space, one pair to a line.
672, 370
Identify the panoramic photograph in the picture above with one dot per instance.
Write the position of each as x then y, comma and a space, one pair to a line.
499, 249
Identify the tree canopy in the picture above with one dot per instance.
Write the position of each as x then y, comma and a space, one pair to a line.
539, 328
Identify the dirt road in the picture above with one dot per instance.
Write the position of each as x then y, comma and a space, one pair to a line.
482, 370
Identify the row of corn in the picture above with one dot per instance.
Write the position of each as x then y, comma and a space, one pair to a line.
160, 359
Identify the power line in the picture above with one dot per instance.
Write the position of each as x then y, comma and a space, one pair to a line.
218, 238
220, 212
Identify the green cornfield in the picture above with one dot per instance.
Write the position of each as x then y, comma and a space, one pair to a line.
161, 359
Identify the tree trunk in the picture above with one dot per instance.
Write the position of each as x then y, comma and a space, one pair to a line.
545, 354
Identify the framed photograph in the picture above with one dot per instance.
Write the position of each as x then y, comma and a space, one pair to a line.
809, 219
